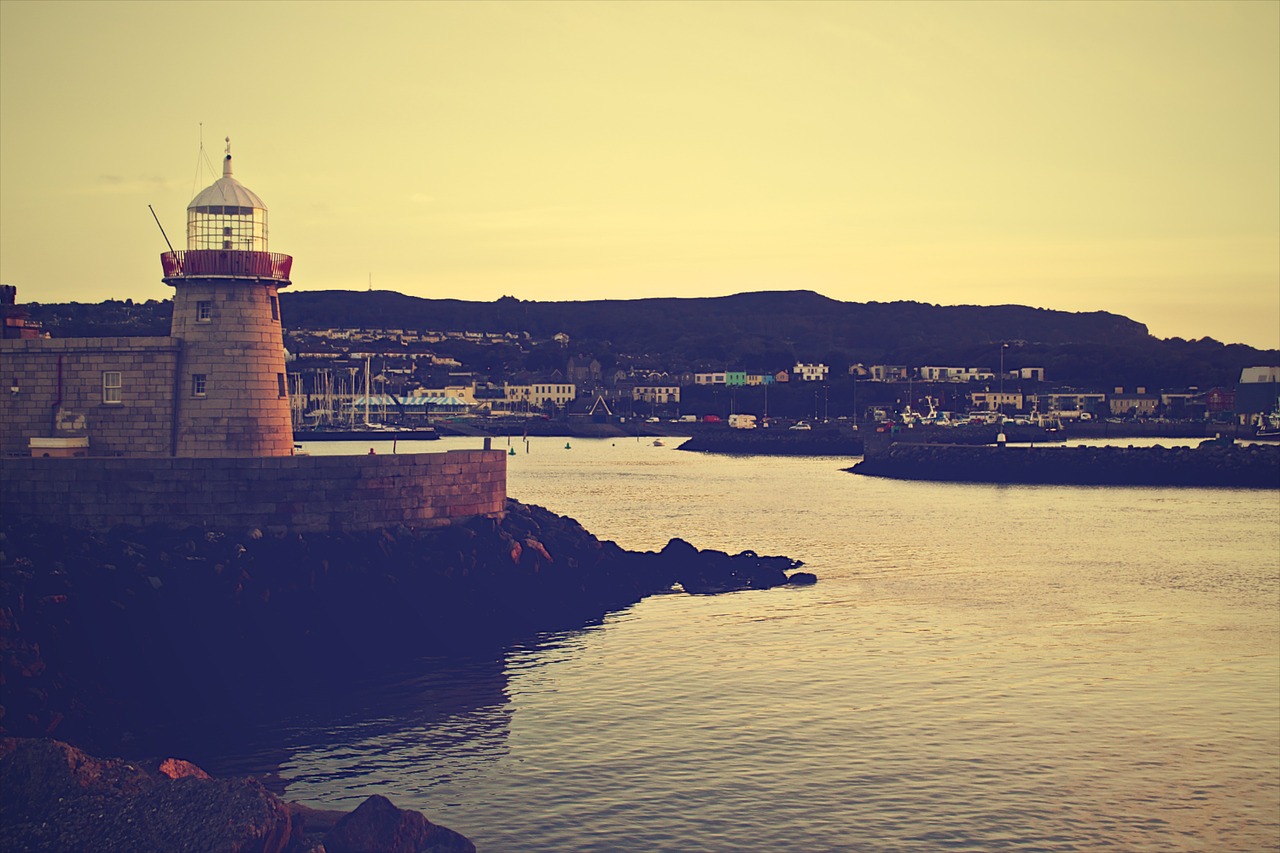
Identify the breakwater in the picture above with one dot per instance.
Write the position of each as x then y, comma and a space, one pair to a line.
284, 494
1211, 464
101, 631
782, 442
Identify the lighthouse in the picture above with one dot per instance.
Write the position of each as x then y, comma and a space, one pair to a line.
231, 393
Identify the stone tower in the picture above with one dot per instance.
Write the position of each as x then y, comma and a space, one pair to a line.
230, 385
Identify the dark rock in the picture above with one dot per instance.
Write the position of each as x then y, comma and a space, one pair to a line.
377, 826
54, 796
802, 579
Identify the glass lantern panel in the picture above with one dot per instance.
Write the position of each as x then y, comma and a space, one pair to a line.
241, 229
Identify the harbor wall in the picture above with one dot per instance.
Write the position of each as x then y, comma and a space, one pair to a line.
294, 494
54, 388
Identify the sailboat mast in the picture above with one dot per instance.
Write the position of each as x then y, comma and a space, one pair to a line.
366, 390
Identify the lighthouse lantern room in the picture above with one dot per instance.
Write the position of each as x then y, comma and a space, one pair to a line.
227, 215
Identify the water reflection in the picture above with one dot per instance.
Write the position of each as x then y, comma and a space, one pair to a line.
387, 711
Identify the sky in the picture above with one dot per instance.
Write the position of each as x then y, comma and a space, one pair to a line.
1076, 156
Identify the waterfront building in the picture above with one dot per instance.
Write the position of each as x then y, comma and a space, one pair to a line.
215, 386
996, 401
1135, 404
1258, 393
538, 395
656, 394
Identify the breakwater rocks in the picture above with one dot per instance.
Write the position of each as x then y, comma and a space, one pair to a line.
1210, 464
54, 796
780, 442
100, 632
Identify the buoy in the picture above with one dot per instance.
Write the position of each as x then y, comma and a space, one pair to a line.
511, 452
566, 446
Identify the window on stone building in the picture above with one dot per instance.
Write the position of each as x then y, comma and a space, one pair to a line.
204, 311
275, 308
112, 386
197, 384
280, 384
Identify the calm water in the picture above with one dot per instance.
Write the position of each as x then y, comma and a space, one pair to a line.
979, 668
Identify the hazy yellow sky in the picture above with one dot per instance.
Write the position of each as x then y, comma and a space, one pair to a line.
1078, 155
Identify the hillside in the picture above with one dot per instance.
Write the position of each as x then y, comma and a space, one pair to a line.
760, 331
752, 331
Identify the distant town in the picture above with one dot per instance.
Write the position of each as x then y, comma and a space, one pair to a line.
352, 376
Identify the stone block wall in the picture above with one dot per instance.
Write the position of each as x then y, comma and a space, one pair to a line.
279, 494
237, 345
140, 424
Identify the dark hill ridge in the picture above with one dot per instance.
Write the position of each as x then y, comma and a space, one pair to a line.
753, 331
640, 324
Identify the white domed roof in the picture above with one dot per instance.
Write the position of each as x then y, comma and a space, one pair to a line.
226, 192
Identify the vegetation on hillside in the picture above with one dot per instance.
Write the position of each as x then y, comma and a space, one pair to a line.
750, 331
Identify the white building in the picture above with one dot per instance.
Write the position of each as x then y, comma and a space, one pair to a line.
656, 394
811, 372
991, 401
956, 374
540, 394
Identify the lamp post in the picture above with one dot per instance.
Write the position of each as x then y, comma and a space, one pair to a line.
1000, 436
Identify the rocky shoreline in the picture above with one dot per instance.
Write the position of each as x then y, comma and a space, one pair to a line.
102, 633
98, 630
1211, 464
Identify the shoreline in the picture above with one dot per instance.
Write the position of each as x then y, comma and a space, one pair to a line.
102, 631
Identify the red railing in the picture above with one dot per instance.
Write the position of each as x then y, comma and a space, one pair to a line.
223, 262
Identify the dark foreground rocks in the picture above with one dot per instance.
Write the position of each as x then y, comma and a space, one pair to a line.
100, 632
1212, 464
55, 797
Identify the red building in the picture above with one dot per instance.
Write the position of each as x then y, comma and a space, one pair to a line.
1219, 400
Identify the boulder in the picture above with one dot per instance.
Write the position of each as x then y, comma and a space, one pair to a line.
377, 826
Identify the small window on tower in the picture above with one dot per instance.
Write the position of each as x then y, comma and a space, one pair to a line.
204, 311
275, 308
280, 384
197, 385
112, 386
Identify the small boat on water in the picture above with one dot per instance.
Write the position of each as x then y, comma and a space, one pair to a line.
657, 442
